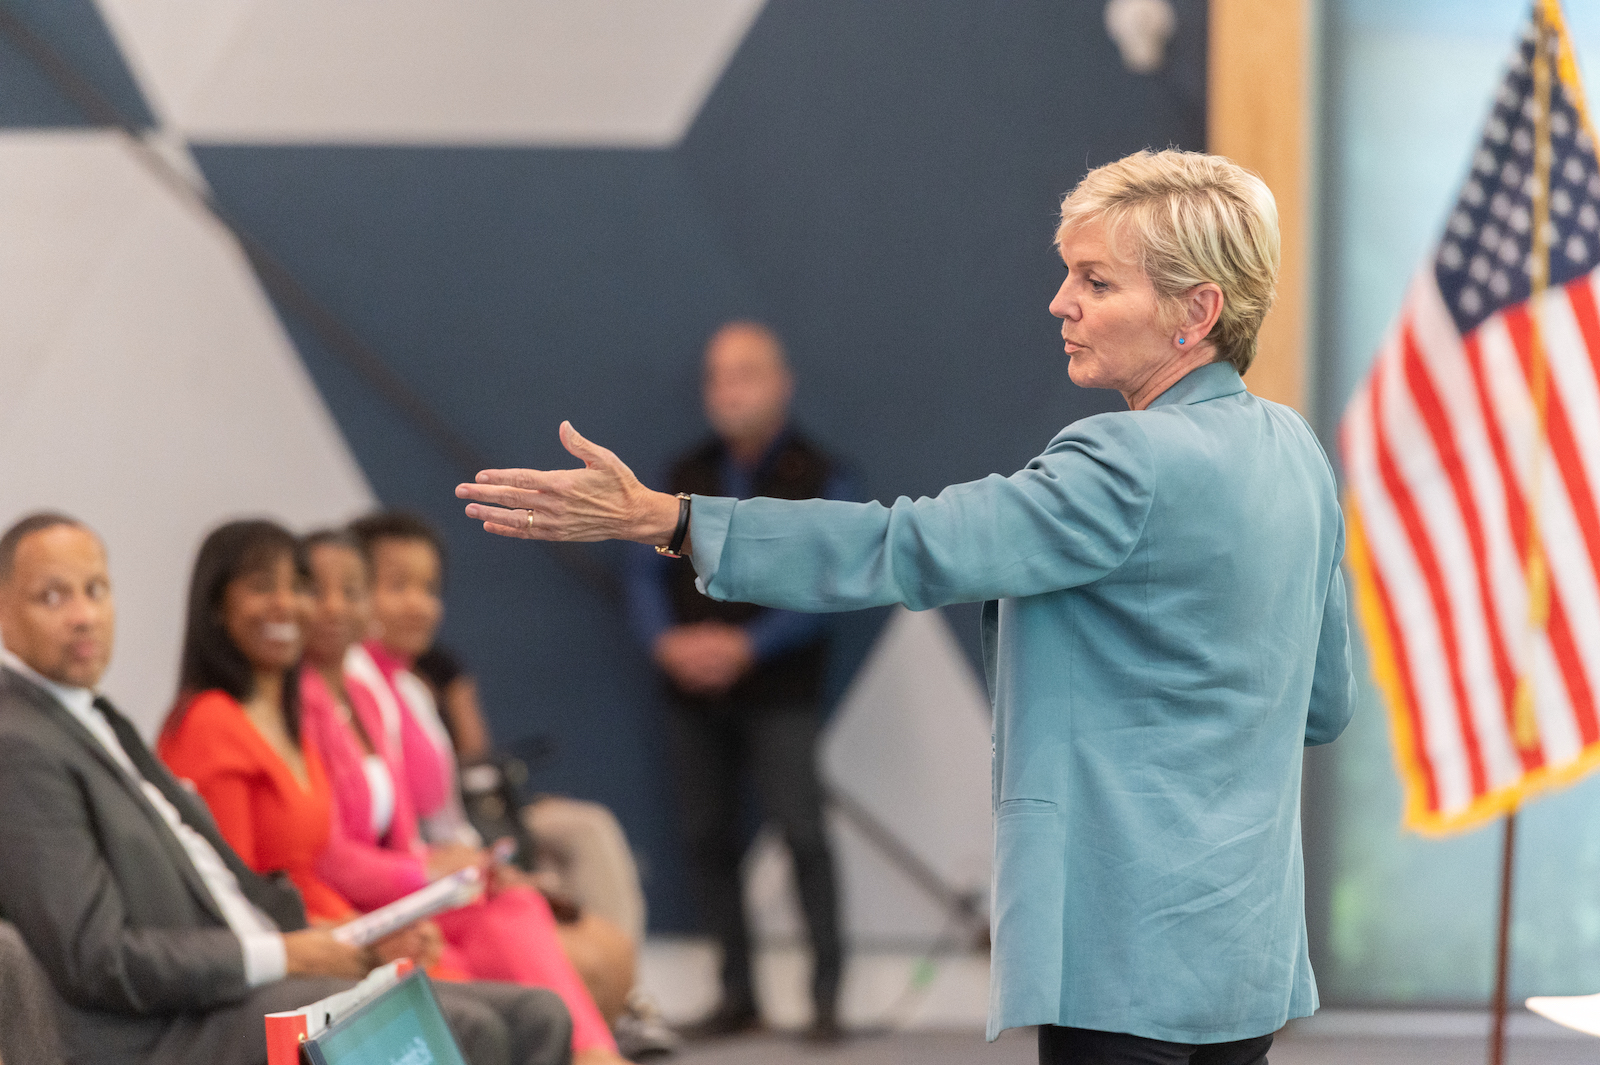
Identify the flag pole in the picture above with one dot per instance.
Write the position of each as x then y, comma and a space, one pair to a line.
1536, 568
1502, 950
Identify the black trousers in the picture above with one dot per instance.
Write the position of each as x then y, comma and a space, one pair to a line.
715, 749
493, 1023
1084, 1046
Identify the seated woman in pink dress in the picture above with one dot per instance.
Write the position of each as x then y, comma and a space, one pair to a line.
405, 562
510, 933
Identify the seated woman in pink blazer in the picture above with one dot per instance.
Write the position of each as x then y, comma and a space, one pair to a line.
510, 933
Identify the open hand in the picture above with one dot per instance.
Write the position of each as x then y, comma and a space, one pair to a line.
601, 501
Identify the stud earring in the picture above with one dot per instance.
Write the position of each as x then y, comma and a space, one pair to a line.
1180, 340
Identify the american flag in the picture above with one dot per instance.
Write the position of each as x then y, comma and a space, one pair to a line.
1472, 464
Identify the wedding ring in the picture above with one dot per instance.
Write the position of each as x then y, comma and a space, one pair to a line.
530, 520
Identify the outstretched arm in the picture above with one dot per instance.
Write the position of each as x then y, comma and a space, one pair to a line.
1069, 517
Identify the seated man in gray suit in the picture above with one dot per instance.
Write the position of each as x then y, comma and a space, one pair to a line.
162, 944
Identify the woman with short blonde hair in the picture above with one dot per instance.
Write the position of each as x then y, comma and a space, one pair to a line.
1186, 219
1164, 628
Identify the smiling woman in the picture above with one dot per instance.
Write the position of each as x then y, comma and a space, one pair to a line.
1164, 628
235, 731
236, 736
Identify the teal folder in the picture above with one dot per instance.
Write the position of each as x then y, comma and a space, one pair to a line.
402, 1026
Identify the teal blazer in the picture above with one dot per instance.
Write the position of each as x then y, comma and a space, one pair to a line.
1165, 628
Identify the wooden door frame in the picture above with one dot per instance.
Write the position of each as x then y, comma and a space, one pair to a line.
1260, 113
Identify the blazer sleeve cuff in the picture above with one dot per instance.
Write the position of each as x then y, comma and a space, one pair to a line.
265, 957
708, 532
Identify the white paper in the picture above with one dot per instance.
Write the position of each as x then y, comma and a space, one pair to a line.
446, 893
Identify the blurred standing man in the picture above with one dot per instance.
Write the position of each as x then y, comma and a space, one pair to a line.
746, 681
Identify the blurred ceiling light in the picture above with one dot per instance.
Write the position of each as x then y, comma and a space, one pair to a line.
1141, 30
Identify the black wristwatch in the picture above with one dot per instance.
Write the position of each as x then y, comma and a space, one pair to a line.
674, 549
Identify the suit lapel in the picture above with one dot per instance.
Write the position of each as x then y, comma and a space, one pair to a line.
62, 719
194, 812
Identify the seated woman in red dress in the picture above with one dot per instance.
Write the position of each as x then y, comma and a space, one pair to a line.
253, 747
236, 732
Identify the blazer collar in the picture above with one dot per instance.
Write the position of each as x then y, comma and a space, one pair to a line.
77, 700
1211, 381
48, 704
62, 718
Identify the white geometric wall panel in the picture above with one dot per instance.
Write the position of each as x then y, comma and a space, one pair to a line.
910, 743
616, 73
148, 387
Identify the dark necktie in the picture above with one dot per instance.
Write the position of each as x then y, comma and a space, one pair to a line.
282, 906
151, 770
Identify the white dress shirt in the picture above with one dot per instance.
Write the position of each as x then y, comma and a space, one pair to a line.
265, 958
450, 824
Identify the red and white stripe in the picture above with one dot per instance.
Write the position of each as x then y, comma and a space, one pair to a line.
1440, 448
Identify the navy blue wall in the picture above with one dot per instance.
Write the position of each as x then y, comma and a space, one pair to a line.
75, 33
878, 181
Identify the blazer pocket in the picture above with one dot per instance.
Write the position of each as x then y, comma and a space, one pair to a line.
1030, 904
1013, 807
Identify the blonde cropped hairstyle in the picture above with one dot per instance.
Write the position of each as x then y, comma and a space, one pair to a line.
1188, 218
